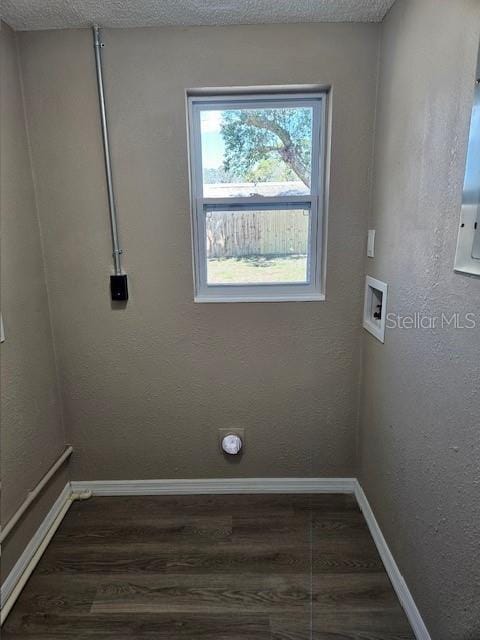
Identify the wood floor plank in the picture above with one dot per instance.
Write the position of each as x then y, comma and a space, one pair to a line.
135, 506
142, 627
345, 555
352, 592
62, 595
150, 557
161, 529
387, 621
327, 502
212, 593
271, 530
339, 524
387, 624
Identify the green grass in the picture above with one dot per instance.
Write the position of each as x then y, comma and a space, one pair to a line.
257, 269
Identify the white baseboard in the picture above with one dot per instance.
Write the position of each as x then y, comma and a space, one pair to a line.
391, 567
215, 486
22, 563
227, 486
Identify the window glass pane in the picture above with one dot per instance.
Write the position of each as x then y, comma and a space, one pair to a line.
256, 152
266, 246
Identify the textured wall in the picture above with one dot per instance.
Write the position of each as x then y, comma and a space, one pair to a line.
31, 432
420, 445
147, 387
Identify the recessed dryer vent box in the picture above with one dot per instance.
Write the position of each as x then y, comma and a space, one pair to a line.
375, 307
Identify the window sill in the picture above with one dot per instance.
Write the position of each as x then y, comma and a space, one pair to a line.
312, 297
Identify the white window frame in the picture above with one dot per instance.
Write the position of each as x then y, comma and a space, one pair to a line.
315, 202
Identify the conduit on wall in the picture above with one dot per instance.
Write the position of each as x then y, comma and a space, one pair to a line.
118, 282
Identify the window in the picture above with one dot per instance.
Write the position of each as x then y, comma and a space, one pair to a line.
257, 167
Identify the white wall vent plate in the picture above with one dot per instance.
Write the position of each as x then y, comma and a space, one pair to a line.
375, 307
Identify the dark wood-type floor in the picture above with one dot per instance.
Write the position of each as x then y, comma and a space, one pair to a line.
269, 567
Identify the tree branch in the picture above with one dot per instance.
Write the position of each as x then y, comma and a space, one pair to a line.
270, 125
287, 151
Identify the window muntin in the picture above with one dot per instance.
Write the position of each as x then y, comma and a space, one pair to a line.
257, 196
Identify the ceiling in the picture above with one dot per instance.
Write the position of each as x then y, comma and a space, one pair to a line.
25, 15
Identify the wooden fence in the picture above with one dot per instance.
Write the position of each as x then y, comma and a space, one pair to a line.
247, 233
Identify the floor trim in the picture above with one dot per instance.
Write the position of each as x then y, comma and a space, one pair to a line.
215, 486
22, 563
391, 567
